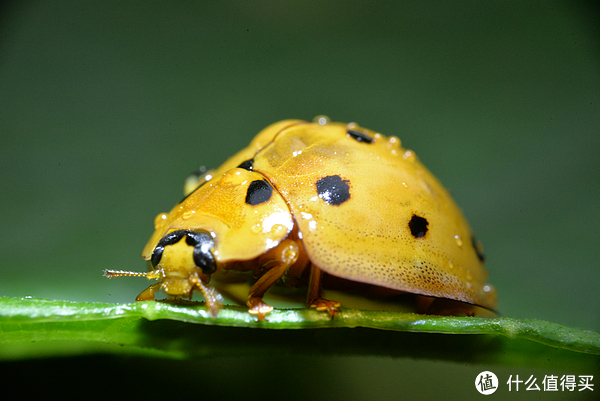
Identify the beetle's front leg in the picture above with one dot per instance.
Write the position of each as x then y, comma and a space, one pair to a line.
148, 293
281, 257
214, 300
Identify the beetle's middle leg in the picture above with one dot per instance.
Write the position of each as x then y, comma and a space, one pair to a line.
282, 258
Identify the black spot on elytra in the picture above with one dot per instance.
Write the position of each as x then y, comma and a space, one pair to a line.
259, 191
333, 190
247, 165
360, 137
418, 226
478, 249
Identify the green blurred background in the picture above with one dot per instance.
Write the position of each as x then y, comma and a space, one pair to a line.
105, 107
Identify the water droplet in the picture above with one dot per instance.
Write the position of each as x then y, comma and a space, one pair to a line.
458, 240
450, 264
322, 120
409, 156
256, 228
159, 220
278, 228
188, 214
393, 144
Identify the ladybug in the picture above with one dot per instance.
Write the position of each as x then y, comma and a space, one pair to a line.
306, 199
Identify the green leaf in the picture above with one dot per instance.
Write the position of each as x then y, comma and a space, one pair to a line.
36, 327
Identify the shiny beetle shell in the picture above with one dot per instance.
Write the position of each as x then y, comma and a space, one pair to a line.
332, 197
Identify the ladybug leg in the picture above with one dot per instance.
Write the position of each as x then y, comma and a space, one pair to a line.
149, 293
424, 304
281, 258
314, 298
443, 307
293, 275
214, 300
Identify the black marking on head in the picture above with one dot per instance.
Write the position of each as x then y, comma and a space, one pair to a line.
478, 249
247, 165
156, 256
259, 191
169, 239
360, 137
418, 226
202, 242
333, 190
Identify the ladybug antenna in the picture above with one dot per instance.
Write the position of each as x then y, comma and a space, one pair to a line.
119, 273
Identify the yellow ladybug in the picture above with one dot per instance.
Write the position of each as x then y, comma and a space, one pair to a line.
317, 197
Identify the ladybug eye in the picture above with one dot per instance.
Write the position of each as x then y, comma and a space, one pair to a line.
202, 242
259, 191
247, 165
360, 137
418, 226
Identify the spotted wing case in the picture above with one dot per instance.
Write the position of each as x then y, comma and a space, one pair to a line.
369, 211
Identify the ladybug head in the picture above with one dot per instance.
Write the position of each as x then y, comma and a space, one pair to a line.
180, 244
180, 261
